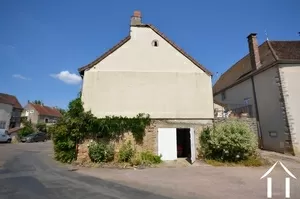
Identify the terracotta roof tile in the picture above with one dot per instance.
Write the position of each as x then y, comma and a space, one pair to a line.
270, 52
10, 99
46, 110
122, 42
286, 49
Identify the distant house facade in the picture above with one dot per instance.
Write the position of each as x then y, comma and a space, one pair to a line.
219, 109
41, 114
10, 111
148, 73
265, 84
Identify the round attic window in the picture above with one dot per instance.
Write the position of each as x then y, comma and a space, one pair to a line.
155, 43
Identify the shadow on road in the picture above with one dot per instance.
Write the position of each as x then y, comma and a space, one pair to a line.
29, 172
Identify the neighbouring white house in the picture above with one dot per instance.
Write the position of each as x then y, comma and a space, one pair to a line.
265, 83
148, 73
10, 111
39, 113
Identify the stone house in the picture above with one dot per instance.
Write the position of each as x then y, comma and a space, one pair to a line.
148, 73
41, 114
264, 82
10, 111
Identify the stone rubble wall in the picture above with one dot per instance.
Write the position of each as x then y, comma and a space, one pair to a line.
150, 140
251, 122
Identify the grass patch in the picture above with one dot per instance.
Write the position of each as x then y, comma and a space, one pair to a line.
250, 162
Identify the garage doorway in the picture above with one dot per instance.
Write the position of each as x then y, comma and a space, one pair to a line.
183, 138
176, 143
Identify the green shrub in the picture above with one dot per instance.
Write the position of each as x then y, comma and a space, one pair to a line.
64, 143
146, 158
101, 152
26, 130
149, 157
126, 152
41, 127
230, 141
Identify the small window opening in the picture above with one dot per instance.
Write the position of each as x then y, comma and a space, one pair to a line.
155, 43
46, 120
223, 96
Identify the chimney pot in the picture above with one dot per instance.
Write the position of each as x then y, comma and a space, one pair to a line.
251, 35
137, 13
136, 19
254, 51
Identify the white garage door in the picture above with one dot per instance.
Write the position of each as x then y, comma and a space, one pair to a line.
167, 143
193, 146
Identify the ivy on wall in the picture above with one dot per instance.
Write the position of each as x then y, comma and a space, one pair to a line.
77, 125
115, 126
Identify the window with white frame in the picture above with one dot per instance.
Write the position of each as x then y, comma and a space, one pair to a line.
2, 124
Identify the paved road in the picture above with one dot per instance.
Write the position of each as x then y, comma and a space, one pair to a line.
27, 171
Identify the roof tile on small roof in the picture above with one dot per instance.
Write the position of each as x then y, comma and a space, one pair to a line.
12, 130
46, 110
270, 52
122, 42
10, 99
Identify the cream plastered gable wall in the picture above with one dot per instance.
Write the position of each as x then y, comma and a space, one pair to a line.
290, 80
138, 54
141, 78
236, 95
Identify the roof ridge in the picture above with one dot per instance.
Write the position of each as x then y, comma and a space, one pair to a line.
7, 94
272, 50
122, 42
41, 105
284, 40
10, 99
46, 110
105, 54
240, 60
180, 49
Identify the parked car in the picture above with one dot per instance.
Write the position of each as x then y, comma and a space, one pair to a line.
35, 137
4, 137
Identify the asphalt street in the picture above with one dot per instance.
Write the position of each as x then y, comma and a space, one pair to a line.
28, 171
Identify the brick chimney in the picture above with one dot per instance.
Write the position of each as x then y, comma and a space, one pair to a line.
136, 19
254, 51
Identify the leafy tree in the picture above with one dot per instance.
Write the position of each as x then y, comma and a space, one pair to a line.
39, 102
62, 111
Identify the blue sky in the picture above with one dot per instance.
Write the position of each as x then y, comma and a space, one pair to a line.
43, 43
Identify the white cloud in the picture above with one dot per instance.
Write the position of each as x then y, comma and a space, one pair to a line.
20, 77
67, 77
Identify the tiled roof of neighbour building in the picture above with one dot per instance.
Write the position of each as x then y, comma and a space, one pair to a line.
269, 51
46, 110
10, 99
